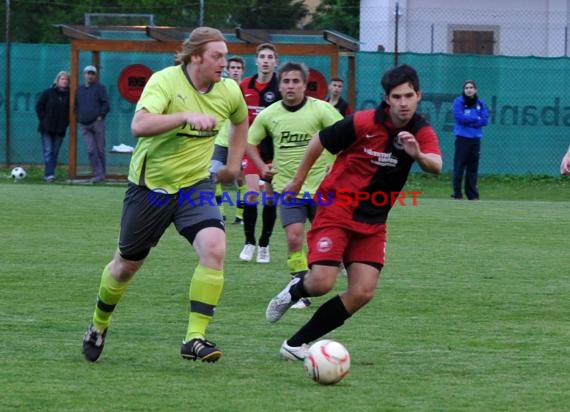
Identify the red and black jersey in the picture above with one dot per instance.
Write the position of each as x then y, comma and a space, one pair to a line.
370, 159
256, 101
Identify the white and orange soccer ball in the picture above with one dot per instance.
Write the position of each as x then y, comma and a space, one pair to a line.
327, 362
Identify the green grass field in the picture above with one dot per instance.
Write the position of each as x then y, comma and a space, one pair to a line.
472, 311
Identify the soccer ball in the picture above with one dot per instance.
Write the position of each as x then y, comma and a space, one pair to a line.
18, 173
327, 362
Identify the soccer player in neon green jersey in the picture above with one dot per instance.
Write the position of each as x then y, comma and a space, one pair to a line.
176, 121
291, 123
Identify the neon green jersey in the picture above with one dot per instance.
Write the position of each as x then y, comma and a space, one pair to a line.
223, 137
291, 132
181, 157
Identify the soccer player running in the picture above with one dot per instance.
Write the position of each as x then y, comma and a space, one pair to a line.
259, 91
375, 152
176, 121
291, 123
235, 69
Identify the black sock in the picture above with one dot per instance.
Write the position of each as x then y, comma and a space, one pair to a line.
328, 317
249, 221
298, 290
269, 215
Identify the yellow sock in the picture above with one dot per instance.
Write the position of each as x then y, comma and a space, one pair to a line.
297, 262
205, 292
110, 292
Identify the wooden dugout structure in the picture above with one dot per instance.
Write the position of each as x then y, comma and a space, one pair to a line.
160, 39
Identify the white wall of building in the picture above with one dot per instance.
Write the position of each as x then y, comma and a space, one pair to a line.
521, 27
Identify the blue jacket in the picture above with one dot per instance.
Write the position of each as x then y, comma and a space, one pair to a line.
469, 120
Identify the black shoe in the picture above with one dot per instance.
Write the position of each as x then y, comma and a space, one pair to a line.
93, 343
201, 349
238, 221
457, 197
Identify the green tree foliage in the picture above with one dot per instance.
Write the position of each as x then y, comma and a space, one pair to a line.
267, 14
339, 15
35, 21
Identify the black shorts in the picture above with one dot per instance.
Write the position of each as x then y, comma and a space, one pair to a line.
147, 213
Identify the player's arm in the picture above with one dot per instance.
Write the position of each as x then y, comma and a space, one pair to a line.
236, 148
429, 162
314, 151
146, 124
257, 132
266, 170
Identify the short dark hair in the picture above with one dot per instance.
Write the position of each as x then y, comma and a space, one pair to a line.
400, 75
266, 46
336, 79
236, 59
292, 67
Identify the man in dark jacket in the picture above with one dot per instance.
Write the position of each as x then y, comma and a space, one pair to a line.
91, 106
52, 109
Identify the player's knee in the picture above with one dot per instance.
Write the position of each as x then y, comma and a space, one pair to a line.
319, 283
123, 267
215, 251
362, 296
294, 241
208, 240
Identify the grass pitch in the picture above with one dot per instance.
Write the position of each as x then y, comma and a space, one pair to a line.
471, 313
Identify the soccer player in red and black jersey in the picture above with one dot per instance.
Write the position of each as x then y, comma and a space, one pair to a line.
260, 91
375, 151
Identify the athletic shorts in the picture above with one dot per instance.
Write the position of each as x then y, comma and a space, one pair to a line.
331, 242
296, 213
146, 215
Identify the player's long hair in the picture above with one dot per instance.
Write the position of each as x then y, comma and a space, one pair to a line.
195, 44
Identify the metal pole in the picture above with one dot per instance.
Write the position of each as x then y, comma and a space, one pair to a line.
201, 22
566, 41
432, 36
396, 18
7, 103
